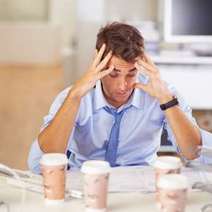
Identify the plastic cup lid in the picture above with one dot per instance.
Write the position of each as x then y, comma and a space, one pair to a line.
95, 210
95, 167
54, 159
168, 162
173, 181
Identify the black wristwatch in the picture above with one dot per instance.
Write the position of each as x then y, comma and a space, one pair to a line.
169, 104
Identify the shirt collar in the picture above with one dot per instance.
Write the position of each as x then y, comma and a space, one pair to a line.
136, 100
99, 99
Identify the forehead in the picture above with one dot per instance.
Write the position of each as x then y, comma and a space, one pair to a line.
121, 64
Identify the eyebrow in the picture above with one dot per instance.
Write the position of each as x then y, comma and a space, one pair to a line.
131, 70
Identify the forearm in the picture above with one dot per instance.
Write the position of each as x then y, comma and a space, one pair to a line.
54, 137
186, 133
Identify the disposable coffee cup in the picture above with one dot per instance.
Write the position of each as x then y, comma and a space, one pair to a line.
172, 193
166, 165
53, 168
96, 177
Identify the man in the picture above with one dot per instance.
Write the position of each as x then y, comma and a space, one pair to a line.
117, 110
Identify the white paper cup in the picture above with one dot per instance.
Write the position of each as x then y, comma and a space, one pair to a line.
172, 193
166, 165
96, 177
53, 168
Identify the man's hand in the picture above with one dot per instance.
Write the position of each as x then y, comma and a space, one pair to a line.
155, 87
95, 72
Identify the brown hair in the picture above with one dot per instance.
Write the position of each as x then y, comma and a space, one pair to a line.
124, 40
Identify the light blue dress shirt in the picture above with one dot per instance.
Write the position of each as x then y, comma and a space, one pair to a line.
140, 129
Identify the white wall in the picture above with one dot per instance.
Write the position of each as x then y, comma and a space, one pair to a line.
35, 31
25, 43
63, 13
133, 10
19, 10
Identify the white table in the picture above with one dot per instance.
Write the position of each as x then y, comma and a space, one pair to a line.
24, 201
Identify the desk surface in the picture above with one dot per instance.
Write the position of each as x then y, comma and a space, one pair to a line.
24, 201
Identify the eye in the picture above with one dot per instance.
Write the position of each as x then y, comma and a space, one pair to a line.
113, 74
133, 74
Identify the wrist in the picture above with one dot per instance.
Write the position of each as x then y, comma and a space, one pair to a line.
171, 103
74, 95
165, 98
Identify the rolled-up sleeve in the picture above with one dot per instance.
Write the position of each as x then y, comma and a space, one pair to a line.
34, 157
206, 143
35, 152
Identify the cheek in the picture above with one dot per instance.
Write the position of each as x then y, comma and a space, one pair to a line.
105, 81
108, 84
109, 81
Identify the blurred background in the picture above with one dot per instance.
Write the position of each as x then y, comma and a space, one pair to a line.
45, 45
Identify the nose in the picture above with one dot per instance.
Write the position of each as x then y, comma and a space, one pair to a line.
122, 84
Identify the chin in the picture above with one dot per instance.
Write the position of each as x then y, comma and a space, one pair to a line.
122, 100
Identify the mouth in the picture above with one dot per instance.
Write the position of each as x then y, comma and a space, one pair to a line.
122, 94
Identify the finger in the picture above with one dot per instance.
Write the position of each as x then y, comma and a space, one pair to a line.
139, 67
143, 71
148, 59
95, 54
104, 62
99, 55
147, 66
105, 72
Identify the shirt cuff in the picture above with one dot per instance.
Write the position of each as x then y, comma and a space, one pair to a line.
34, 157
207, 143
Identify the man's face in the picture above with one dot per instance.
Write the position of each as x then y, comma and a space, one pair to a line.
118, 85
